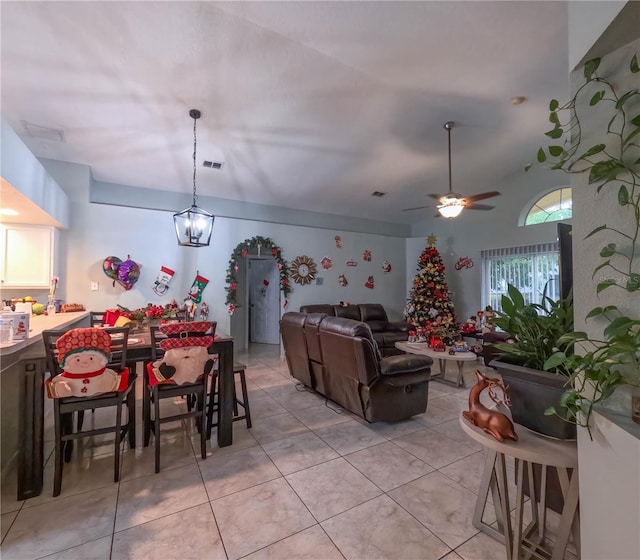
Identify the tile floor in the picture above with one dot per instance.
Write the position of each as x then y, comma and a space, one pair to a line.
308, 481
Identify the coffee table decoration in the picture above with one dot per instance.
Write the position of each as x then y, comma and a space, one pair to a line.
255, 245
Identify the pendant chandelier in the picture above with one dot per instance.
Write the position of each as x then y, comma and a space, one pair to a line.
194, 225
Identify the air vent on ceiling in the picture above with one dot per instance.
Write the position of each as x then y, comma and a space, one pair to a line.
44, 132
378, 193
212, 164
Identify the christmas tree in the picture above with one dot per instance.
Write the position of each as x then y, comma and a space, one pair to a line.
429, 305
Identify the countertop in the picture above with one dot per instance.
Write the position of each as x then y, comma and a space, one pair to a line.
37, 324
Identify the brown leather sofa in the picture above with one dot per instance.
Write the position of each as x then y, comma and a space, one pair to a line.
338, 358
386, 333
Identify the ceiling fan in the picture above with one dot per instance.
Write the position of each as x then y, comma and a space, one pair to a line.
451, 204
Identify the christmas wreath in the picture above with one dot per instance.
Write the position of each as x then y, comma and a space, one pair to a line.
256, 245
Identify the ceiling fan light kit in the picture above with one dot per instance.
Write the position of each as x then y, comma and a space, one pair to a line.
451, 204
194, 225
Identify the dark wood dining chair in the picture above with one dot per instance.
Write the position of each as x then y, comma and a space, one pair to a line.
212, 407
195, 392
97, 318
65, 407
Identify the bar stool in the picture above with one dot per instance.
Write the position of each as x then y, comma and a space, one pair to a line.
239, 370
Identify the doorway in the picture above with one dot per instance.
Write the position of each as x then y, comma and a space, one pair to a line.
263, 294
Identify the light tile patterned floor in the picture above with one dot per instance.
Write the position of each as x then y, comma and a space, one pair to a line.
308, 481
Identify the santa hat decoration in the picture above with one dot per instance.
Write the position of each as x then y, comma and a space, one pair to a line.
80, 340
180, 335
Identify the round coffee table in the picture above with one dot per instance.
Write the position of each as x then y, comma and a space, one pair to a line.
423, 349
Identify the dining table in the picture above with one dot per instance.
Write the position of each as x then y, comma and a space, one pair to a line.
30, 371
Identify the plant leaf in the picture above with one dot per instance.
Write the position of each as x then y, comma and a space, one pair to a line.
597, 97
555, 133
590, 67
609, 250
541, 156
594, 312
553, 117
553, 104
516, 297
633, 283
555, 151
528, 166
623, 196
604, 285
631, 135
599, 228
636, 120
605, 170
593, 151
554, 360
625, 97
634, 65
600, 266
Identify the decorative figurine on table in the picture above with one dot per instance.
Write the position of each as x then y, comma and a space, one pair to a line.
83, 355
471, 326
459, 346
489, 316
204, 311
492, 422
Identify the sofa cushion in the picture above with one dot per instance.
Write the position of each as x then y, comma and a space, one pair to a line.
318, 308
377, 326
372, 312
348, 312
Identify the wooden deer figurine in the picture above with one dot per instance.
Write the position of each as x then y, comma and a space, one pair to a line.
491, 421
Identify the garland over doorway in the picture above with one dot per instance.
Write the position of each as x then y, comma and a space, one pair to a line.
255, 245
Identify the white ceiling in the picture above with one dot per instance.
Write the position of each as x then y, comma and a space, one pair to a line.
311, 105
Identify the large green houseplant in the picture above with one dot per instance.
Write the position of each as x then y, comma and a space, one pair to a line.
537, 332
612, 165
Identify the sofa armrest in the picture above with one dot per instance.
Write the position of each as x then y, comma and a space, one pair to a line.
399, 326
404, 364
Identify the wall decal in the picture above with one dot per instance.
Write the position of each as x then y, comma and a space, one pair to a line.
463, 262
338, 242
326, 263
386, 266
366, 256
342, 280
352, 263
369, 283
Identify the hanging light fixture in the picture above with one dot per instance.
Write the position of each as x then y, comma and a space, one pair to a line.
451, 204
194, 225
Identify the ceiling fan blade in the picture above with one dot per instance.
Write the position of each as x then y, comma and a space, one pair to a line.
481, 196
416, 208
478, 207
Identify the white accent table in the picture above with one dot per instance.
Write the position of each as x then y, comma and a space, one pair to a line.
530, 449
423, 349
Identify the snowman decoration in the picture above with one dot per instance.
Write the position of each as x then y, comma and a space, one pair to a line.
83, 355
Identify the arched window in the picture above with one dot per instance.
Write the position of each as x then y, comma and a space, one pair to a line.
552, 207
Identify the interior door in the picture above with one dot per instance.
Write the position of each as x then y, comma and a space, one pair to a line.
264, 301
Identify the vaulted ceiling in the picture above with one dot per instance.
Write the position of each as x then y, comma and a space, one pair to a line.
309, 105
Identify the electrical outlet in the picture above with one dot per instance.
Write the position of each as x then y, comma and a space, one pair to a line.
94, 286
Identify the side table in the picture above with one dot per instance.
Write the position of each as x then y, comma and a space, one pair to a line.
529, 450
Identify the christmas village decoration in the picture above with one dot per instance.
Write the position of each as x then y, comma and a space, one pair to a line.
429, 307
256, 245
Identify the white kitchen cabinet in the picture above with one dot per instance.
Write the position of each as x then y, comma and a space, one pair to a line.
26, 256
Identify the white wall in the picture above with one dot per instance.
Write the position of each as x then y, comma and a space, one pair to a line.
97, 231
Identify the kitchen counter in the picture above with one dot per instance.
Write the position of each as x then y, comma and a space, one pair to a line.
22, 400
12, 351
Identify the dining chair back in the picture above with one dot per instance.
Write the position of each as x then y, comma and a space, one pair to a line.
97, 318
69, 355
180, 367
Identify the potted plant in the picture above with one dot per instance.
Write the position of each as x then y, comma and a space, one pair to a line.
534, 384
602, 363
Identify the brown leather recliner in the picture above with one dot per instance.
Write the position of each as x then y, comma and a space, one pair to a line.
343, 363
386, 333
